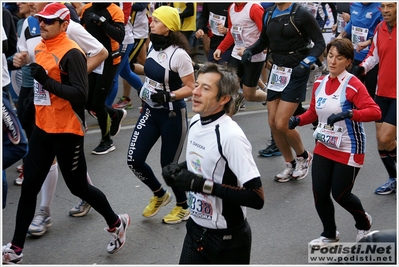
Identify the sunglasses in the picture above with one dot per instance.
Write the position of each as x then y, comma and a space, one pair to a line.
48, 21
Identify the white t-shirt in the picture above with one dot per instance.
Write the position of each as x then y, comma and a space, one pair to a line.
5, 77
204, 158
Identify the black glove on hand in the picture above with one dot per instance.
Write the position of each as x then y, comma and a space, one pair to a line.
293, 122
94, 18
357, 71
339, 117
300, 71
170, 171
161, 97
246, 56
188, 181
38, 73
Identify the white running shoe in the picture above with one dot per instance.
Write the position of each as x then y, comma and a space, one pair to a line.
362, 233
40, 223
80, 209
9, 255
286, 175
323, 241
118, 236
302, 167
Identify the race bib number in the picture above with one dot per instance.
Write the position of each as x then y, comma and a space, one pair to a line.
279, 78
327, 135
41, 96
201, 206
214, 21
236, 32
359, 35
149, 88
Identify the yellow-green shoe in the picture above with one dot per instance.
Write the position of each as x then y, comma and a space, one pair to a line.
177, 215
155, 205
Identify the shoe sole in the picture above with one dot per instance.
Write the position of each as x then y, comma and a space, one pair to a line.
112, 148
17, 183
162, 205
270, 155
279, 180
185, 218
125, 107
40, 233
119, 127
385, 193
79, 214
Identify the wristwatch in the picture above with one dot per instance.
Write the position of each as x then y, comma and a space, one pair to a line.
172, 97
306, 61
350, 113
208, 186
102, 19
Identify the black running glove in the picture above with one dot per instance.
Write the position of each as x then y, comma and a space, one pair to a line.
357, 71
189, 181
300, 71
161, 97
293, 122
170, 171
246, 56
94, 18
333, 118
38, 73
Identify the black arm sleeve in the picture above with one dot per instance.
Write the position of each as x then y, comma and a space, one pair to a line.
202, 21
250, 195
74, 85
116, 30
309, 27
188, 11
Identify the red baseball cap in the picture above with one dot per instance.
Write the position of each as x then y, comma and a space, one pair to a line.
55, 10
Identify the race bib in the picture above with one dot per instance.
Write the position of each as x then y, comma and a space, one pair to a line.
279, 78
149, 87
214, 21
236, 32
359, 34
41, 96
201, 206
330, 136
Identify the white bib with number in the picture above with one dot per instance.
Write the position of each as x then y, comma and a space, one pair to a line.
41, 96
329, 136
201, 206
214, 21
236, 32
279, 78
359, 34
149, 87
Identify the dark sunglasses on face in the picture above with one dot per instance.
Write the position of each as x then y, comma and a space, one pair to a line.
47, 21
